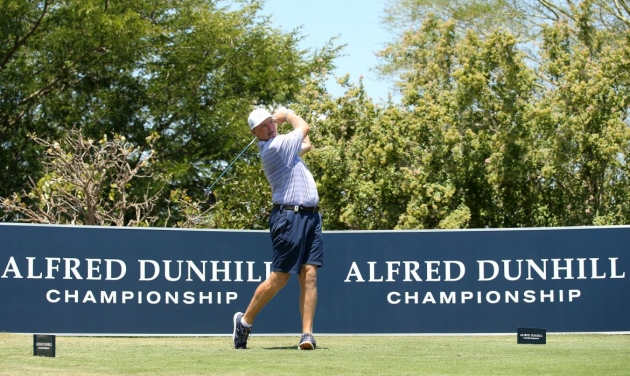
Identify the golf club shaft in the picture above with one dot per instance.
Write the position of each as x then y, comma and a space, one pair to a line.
209, 189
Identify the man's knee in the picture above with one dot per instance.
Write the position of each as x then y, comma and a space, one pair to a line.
308, 275
278, 279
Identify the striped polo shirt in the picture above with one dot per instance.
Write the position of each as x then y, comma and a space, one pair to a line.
291, 181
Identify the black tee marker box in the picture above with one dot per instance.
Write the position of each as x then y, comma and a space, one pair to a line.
535, 336
44, 345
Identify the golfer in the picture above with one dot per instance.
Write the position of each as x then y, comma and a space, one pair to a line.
295, 223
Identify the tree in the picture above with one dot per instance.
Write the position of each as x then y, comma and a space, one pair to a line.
189, 71
87, 182
584, 122
483, 137
427, 165
522, 144
524, 19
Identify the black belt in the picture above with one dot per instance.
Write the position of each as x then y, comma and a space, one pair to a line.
296, 208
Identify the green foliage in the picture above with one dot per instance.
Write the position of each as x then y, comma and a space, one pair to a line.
189, 71
191, 213
482, 137
87, 182
511, 114
477, 15
584, 157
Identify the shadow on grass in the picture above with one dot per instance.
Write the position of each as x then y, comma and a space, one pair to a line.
290, 348
280, 348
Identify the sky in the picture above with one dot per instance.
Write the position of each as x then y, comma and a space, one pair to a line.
356, 23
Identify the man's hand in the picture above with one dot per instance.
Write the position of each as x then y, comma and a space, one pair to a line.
282, 115
285, 115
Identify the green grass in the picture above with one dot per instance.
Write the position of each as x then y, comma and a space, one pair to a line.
348, 355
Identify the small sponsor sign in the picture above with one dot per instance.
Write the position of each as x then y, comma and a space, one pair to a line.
536, 336
44, 345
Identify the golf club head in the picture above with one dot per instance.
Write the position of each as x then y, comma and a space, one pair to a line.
211, 198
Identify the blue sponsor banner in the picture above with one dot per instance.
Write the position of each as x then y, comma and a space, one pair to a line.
143, 281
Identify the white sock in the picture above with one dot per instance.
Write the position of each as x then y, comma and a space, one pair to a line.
245, 324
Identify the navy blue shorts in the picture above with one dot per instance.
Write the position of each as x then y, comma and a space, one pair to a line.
296, 239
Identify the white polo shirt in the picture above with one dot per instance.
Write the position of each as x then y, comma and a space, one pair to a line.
291, 181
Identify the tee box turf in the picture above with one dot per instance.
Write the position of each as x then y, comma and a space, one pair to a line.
44, 345
535, 336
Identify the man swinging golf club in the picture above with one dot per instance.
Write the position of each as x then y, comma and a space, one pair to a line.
295, 223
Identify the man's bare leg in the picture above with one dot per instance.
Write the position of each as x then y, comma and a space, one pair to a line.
264, 293
308, 298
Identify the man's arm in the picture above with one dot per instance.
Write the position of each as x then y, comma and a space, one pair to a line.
306, 146
298, 123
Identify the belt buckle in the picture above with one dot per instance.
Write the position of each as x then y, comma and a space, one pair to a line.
296, 208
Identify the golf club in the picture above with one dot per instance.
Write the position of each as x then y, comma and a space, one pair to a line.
211, 198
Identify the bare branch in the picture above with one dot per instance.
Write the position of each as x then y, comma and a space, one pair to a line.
20, 41
622, 7
86, 182
555, 10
